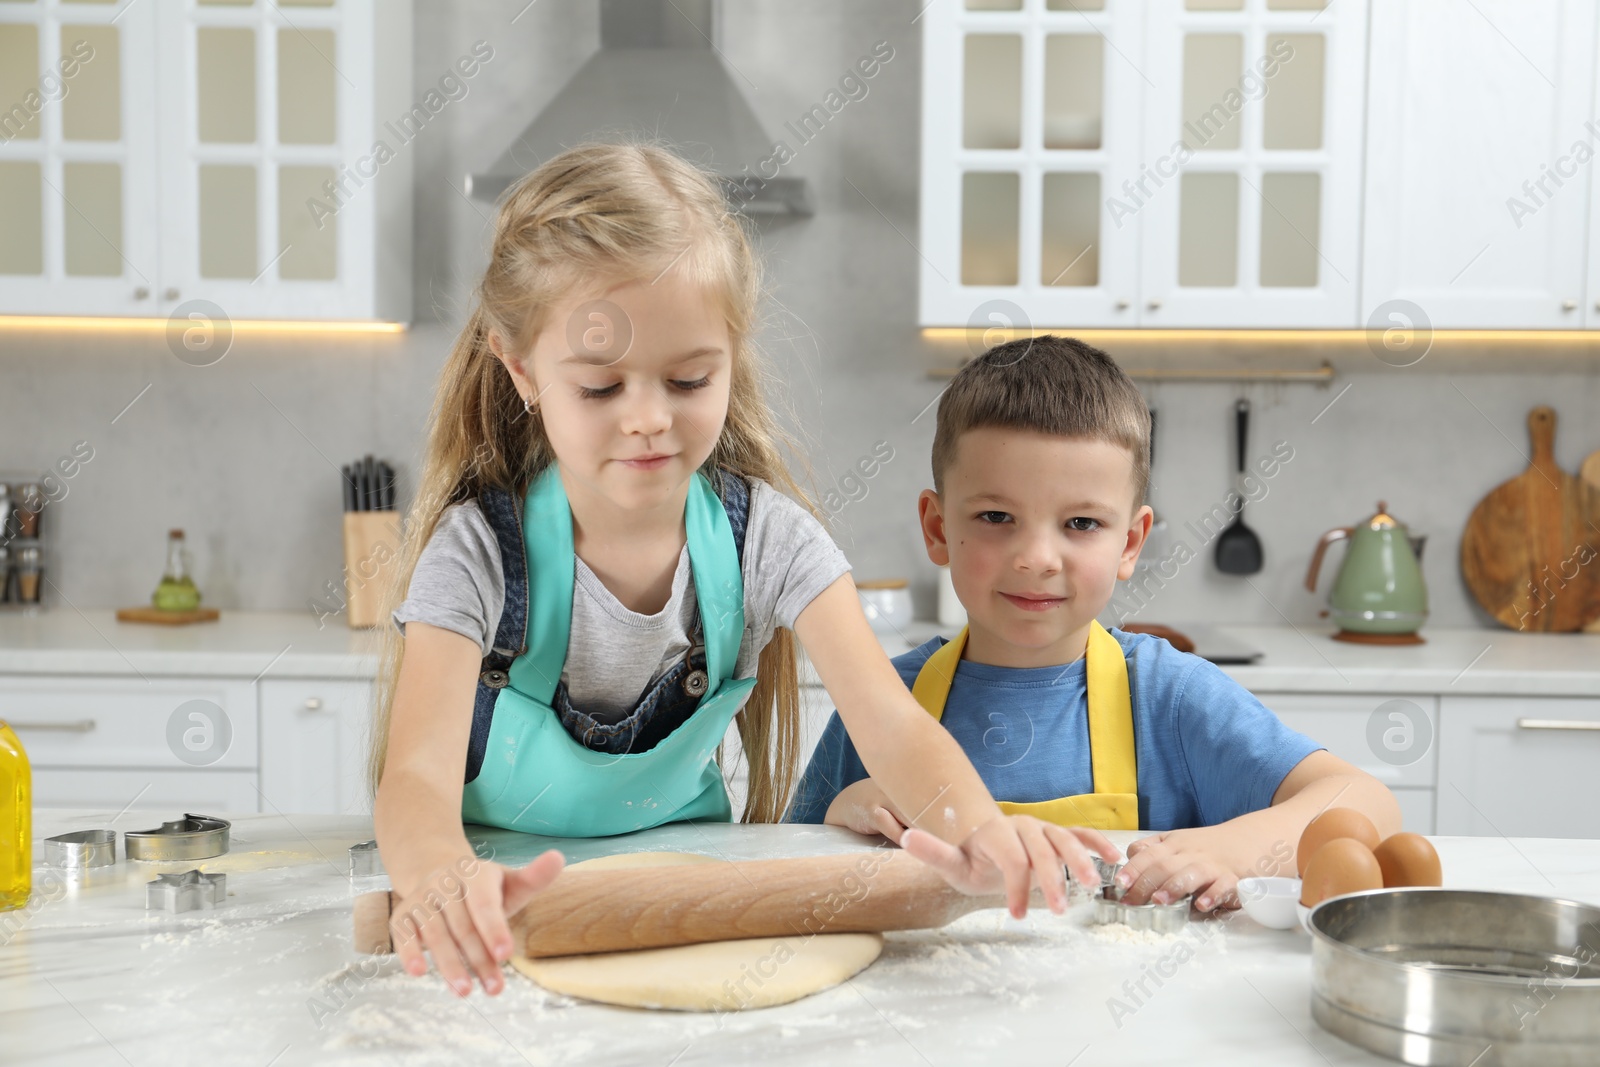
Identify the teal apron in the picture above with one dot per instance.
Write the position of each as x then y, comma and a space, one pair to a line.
535, 777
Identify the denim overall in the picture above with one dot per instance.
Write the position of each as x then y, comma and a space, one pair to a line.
537, 764
1114, 804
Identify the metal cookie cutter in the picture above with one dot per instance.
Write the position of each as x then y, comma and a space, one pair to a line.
193, 837
365, 861
1158, 918
189, 891
81, 849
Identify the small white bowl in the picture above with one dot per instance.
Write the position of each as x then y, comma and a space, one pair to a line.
1270, 901
1305, 916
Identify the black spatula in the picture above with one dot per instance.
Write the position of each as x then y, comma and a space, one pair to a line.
1238, 547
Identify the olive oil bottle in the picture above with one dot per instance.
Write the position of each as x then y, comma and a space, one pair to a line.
16, 822
177, 591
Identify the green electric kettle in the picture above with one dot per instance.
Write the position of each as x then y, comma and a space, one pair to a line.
1379, 596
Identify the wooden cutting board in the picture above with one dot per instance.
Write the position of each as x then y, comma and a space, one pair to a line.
167, 618
1589, 474
1524, 547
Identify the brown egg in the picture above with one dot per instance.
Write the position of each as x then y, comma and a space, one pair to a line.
1343, 865
1335, 822
1408, 859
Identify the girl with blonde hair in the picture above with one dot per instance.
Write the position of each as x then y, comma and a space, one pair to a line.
602, 571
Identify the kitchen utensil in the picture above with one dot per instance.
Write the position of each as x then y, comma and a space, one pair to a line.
370, 473
1238, 549
1379, 592
652, 907
365, 861
1271, 901
1155, 543
189, 891
1589, 473
1523, 548
81, 849
1168, 918
347, 485
1450, 976
193, 837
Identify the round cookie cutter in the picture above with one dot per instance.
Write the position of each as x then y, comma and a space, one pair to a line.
193, 837
81, 850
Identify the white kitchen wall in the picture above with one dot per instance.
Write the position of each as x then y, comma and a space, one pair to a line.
244, 454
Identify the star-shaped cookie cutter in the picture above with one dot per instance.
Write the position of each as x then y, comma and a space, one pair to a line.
189, 891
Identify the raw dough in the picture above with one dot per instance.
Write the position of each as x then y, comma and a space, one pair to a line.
715, 976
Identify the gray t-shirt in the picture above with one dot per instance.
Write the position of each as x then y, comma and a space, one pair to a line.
614, 654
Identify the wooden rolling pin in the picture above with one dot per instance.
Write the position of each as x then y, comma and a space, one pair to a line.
617, 910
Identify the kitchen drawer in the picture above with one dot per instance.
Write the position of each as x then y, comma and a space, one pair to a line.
133, 722
1396, 744
173, 792
1519, 766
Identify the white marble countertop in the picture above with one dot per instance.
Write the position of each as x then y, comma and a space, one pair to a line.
88, 977
1461, 662
239, 644
1295, 659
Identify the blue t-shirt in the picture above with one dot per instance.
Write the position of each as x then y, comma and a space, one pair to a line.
1207, 750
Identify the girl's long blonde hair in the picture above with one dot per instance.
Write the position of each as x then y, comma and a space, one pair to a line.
601, 213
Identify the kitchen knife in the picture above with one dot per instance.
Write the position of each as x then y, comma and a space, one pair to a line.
348, 485
619, 910
371, 503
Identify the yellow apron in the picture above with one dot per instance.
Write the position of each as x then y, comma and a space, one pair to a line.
1114, 804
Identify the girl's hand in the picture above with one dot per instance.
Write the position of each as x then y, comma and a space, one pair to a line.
458, 913
1015, 852
865, 808
1168, 866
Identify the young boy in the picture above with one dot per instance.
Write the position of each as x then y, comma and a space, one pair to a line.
1040, 464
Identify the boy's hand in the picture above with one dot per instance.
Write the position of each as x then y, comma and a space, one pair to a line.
1015, 852
458, 913
1205, 861
865, 808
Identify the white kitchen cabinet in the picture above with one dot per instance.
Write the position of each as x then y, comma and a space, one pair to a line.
78, 163
1471, 110
1392, 739
214, 159
1120, 164
314, 744
1248, 214
1519, 766
1030, 123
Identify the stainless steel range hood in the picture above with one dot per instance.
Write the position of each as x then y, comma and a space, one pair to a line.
657, 76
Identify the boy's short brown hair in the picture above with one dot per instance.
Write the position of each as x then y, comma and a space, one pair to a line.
1054, 385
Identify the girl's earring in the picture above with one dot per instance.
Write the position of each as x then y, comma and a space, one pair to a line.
527, 406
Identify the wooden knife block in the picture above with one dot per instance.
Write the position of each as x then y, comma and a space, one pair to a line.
371, 557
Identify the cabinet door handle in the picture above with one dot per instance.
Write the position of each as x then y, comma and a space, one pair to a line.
81, 726
1154, 305
313, 703
1122, 305
1557, 724
171, 293
1569, 305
